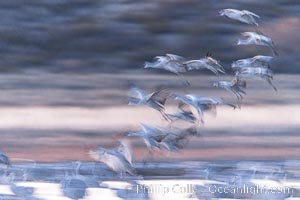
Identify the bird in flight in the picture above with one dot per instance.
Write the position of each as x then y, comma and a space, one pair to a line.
253, 38
155, 100
208, 62
256, 61
257, 73
244, 16
119, 159
235, 87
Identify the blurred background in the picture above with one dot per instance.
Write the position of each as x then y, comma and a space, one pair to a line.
65, 68
112, 36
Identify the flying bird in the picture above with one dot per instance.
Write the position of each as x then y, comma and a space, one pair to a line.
170, 62
183, 113
177, 138
235, 87
116, 159
202, 103
155, 100
244, 16
257, 39
256, 61
152, 136
205, 63
258, 73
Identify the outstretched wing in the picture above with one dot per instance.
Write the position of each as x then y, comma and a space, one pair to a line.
160, 95
175, 57
250, 13
125, 149
248, 34
184, 107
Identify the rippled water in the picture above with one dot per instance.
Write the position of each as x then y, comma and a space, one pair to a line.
181, 180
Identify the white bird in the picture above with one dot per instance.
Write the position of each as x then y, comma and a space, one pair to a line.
169, 62
244, 16
205, 63
257, 39
235, 87
152, 136
258, 73
155, 100
202, 103
4, 159
256, 61
115, 159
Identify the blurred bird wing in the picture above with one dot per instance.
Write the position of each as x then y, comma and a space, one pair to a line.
159, 135
213, 69
243, 61
265, 59
192, 130
175, 57
195, 64
160, 95
249, 19
260, 63
148, 129
154, 132
214, 62
175, 140
231, 10
161, 58
183, 106
250, 35
200, 64
246, 34
115, 161
125, 149
210, 108
238, 89
250, 13
137, 92
234, 90
152, 142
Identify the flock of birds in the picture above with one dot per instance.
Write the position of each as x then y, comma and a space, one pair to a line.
191, 107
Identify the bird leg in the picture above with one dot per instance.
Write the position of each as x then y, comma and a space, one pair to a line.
270, 82
185, 82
